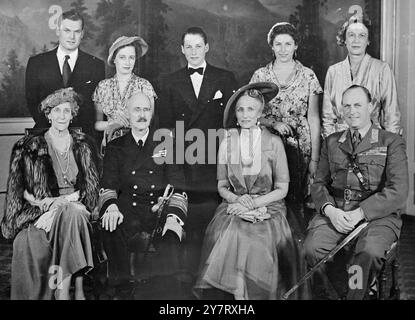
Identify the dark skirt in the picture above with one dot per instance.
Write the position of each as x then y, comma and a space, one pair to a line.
42, 260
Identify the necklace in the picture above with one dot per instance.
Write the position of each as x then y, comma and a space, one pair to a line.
64, 171
56, 141
288, 79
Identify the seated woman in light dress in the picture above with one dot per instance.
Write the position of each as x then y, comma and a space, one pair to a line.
51, 191
111, 94
248, 250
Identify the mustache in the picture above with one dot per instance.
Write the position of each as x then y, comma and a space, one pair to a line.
142, 119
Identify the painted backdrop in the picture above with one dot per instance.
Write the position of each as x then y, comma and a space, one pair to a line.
236, 30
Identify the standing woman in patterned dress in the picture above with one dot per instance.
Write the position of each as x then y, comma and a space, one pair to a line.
111, 94
294, 113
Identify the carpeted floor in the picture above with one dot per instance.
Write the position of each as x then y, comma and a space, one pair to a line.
170, 288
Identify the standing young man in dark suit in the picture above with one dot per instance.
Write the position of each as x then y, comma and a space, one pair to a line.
195, 97
65, 66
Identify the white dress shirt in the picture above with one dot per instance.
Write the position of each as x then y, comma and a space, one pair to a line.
143, 138
197, 78
73, 56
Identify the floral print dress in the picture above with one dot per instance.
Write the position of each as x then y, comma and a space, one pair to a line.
112, 102
291, 106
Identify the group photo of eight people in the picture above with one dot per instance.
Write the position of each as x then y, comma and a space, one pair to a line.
239, 228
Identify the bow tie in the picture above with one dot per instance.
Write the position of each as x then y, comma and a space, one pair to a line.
192, 70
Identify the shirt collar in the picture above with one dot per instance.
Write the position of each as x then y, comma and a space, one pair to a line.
143, 138
61, 54
363, 131
203, 65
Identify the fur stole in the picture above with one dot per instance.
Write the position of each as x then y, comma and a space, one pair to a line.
31, 169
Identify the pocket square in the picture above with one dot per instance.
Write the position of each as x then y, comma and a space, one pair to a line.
218, 95
88, 82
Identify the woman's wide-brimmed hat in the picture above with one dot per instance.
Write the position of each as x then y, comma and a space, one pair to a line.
268, 90
124, 41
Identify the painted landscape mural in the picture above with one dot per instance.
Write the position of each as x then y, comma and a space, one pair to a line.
236, 30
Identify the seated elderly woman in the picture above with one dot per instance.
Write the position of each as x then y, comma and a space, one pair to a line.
248, 250
51, 190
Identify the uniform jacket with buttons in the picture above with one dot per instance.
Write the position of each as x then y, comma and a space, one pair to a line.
178, 102
381, 157
135, 176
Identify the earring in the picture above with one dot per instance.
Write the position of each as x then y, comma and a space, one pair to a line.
50, 121
237, 124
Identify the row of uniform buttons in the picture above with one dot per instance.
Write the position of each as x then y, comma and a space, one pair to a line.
136, 187
135, 203
133, 172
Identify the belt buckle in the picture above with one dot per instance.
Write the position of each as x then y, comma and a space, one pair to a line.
347, 195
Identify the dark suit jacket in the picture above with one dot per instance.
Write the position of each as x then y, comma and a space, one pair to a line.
382, 158
178, 102
137, 178
43, 77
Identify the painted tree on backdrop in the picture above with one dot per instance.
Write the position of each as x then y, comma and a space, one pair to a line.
90, 28
114, 16
12, 101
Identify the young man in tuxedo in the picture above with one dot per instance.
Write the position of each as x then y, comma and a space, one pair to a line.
65, 66
194, 97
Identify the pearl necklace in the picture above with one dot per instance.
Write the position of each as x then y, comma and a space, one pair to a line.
64, 154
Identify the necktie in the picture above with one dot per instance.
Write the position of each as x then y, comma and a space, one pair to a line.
356, 139
198, 70
140, 144
66, 71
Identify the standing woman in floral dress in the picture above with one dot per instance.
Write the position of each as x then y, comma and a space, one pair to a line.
294, 113
111, 94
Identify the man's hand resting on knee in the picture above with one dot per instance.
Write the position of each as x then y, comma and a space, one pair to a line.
340, 219
112, 218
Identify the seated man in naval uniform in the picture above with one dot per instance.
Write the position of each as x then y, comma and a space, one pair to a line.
134, 179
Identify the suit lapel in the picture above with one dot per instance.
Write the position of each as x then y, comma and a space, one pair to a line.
54, 66
185, 86
366, 143
205, 94
79, 66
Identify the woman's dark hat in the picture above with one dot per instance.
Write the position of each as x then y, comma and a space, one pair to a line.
268, 90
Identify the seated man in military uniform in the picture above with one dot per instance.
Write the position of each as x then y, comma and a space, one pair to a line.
362, 175
134, 179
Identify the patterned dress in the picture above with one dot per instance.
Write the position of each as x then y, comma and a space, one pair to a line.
291, 106
112, 102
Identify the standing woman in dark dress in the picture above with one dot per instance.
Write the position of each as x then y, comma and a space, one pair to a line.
51, 190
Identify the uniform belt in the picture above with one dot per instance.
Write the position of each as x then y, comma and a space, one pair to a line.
350, 194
